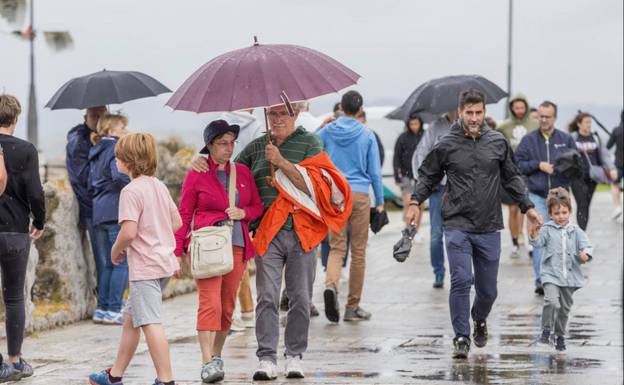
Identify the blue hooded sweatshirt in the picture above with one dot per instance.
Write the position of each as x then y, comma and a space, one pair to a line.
105, 181
353, 149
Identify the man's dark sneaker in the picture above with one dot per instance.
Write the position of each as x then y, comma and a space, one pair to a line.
560, 345
332, 311
439, 281
480, 334
461, 348
6, 371
313, 311
357, 314
24, 370
284, 302
544, 340
539, 289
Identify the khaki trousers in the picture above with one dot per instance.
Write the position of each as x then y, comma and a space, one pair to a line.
359, 222
244, 293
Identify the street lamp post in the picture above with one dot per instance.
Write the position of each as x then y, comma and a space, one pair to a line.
509, 50
32, 133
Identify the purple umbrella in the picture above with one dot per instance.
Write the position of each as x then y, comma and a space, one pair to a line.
255, 77
261, 76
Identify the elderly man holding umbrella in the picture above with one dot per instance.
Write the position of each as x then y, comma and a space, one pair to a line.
270, 76
476, 160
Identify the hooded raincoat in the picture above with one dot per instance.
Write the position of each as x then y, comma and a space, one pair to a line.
515, 129
561, 263
105, 181
475, 168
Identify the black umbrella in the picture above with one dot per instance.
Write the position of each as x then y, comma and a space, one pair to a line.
568, 164
104, 88
439, 96
378, 219
403, 247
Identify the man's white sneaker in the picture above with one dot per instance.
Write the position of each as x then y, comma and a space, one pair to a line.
265, 371
617, 212
418, 239
237, 325
292, 367
515, 251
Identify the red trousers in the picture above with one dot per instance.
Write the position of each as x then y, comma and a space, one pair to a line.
217, 296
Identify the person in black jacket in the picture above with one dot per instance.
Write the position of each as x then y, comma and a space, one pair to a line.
617, 139
77, 162
23, 195
476, 160
3, 175
403, 151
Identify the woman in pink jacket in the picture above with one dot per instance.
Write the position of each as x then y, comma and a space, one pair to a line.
206, 195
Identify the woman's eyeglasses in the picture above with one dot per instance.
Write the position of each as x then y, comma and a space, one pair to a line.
227, 144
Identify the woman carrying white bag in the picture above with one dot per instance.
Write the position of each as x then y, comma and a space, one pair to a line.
216, 235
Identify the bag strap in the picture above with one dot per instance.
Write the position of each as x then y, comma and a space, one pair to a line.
588, 160
232, 186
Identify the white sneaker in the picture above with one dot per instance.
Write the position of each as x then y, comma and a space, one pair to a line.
418, 239
292, 367
265, 371
617, 212
113, 318
237, 324
515, 252
248, 320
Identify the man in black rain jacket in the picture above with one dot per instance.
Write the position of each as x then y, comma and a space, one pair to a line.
476, 160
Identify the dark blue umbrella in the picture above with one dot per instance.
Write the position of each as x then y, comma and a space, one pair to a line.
104, 88
439, 96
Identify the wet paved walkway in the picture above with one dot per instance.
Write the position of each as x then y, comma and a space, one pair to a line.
408, 339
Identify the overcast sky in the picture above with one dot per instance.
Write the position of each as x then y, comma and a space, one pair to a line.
570, 52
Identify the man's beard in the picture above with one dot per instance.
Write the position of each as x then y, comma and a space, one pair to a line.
471, 130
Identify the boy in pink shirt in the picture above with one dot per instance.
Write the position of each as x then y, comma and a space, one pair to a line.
148, 219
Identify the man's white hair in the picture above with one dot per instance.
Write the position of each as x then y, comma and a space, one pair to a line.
301, 105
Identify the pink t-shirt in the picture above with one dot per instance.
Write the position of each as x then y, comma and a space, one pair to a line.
147, 202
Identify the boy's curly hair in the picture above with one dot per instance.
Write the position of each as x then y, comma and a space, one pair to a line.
558, 197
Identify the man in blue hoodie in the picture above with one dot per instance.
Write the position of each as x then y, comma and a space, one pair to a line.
536, 155
77, 162
353, 149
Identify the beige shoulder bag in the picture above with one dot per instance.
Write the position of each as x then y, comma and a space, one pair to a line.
211, 246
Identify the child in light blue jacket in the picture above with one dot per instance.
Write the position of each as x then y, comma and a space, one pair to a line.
566, 248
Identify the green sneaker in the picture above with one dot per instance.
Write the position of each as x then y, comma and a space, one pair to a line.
210, 373
218, 361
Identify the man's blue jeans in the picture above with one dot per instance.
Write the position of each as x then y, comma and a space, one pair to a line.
468, 251
100, 260
436, 246
540, 207
114, 279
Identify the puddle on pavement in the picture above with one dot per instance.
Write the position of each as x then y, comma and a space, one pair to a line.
509, 368
185, 340
344, 374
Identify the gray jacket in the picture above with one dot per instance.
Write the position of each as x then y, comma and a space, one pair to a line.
430, 138
558, 254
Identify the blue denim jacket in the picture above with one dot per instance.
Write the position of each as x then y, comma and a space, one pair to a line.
562, 269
